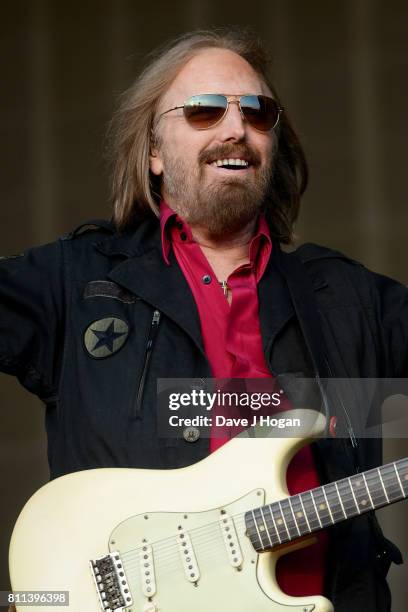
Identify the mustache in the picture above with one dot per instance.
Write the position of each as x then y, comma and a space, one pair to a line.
228, 150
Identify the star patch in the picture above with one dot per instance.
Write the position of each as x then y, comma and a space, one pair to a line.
105, 337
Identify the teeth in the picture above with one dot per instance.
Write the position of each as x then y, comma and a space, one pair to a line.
230, 162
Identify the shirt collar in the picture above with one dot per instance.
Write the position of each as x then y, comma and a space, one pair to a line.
168, 218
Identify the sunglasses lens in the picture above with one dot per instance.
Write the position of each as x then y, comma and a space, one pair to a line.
204, 111
261, 112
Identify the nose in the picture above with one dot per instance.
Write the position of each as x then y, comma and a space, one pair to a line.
233, 125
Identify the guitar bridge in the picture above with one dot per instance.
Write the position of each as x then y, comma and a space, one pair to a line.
111, 583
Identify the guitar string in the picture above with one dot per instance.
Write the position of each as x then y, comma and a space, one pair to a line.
169, 564
175, 563
208, 558
172, 563
204, 531
210, 534
201, 528
174, 550
164, 565
167, 559
206, 547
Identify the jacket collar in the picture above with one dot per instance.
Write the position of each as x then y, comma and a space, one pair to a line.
145, 274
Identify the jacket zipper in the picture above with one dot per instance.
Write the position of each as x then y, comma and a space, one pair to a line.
154, 325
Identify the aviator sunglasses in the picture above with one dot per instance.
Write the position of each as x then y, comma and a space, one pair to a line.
204, 111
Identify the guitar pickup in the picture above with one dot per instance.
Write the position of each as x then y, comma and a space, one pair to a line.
111, 583
148, 578
187, 556
231, 540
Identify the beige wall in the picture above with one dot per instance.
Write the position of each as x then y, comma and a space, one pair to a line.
341, 67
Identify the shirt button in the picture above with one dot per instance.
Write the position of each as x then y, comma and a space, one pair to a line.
183, 236
206, 279
179, 224
191, 434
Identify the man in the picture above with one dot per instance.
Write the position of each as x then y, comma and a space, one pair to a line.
189, 281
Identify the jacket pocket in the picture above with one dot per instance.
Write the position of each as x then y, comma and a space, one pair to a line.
154, 326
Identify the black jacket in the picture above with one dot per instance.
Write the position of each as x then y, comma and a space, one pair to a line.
101, 403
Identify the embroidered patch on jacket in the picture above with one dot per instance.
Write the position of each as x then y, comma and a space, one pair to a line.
105, 337
102, 288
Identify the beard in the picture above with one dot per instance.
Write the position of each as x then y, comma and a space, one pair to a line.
223, 206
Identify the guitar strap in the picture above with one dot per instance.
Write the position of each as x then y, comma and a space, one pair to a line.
306, 308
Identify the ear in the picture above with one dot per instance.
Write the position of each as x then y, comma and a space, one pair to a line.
155, 161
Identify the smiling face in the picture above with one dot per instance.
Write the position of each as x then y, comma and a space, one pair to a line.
205, 194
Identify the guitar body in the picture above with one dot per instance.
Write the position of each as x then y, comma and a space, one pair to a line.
147, 516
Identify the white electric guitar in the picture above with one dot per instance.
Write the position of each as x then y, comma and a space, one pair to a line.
205, 537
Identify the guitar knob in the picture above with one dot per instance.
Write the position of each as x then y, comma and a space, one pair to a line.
149, 607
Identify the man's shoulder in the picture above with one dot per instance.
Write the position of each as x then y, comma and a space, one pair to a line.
328, 267
321, 260
102, 237
89, 247
89, 231
310, 253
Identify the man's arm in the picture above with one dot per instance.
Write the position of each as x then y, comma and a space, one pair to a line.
31, 317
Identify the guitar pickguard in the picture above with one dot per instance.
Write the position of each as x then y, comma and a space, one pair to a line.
188, 561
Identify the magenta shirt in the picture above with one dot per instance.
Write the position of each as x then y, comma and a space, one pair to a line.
233, 345
231, 334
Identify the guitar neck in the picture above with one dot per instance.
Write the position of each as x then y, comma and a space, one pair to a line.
309, 512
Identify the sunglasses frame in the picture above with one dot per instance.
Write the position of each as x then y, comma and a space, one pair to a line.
231, 99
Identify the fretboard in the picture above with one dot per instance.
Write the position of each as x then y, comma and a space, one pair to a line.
308, 512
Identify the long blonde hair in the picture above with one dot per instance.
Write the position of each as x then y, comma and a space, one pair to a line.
135, 191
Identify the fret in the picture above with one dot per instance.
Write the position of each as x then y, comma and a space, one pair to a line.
321, 507
391, 483
301, 516
284, 518
311, 510
376, 488
298, 515
294, 517
340, 500
279, 520
382, 484
402, 468
260, 528
368, 490
327, 503
269, 524
266, 527
347, 497
399, 479
334, 502
252, 531
274, 523
290, 519
354, 497
361, 492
